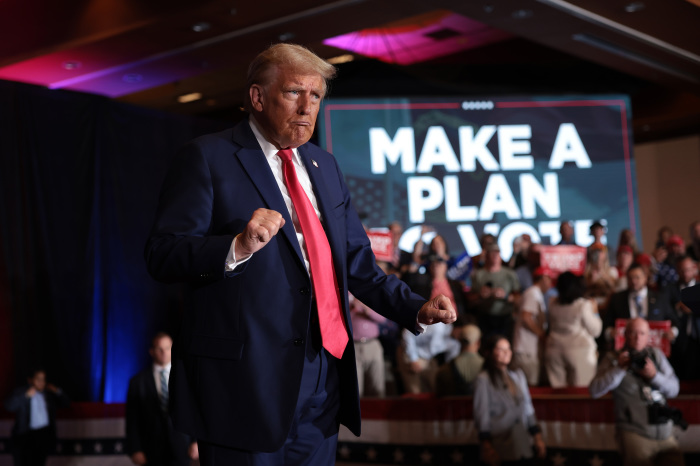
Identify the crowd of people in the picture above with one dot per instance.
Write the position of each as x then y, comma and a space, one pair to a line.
542, 329
560, 326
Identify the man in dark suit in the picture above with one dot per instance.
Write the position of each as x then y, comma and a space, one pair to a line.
260, 223
150, 436
639, 301
685, 354
34, 432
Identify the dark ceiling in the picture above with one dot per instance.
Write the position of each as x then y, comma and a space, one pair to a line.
150, 52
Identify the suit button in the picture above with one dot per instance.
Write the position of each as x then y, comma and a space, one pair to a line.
304, 291
298, 342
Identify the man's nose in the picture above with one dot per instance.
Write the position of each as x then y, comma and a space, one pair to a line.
304, 105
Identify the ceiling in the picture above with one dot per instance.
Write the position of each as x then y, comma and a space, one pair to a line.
151, 52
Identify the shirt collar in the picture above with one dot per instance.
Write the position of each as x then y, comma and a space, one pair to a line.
157, 368
641, 293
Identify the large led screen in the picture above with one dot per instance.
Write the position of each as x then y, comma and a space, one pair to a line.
505, 166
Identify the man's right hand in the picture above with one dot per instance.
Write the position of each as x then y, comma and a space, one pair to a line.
262, 227
138, 458
623, 359
31, 392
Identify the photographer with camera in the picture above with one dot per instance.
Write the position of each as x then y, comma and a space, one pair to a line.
641, 379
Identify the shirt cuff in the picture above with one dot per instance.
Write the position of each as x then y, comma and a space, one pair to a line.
231, 262
420, 328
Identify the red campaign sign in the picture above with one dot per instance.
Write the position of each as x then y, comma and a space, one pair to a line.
657, 329
382, 245
560, 259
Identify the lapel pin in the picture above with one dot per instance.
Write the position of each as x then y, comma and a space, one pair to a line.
314, 162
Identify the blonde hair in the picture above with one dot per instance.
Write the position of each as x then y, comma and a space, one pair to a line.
295, 57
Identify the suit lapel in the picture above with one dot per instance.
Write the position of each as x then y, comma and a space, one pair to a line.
253, 161
151, 390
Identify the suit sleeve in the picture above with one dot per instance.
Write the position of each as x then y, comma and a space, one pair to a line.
181, 247
16, 400
385, 294
133, 424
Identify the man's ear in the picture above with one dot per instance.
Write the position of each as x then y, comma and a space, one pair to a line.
256, 97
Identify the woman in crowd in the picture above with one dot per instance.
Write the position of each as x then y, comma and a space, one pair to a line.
503, 411
623, 259
600, 278
627, 238
570, 356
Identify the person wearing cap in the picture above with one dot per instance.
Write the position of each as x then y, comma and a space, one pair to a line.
495, 288
666, 273
457, 377
530, 326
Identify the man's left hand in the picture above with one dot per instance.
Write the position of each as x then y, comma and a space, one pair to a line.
438, 309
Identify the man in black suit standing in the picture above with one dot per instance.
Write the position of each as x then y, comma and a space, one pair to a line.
34, 432
150, 437
640, 301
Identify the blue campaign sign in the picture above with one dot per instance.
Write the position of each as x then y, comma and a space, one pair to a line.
505, 166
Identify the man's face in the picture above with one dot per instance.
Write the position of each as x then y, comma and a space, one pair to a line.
38, 381
546, 282
287, 107
677, 249
636, 279
567, 231
637, 335
161, 351
493, 256
687, 270
502, 353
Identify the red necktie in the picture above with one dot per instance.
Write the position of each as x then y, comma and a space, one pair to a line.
330, 319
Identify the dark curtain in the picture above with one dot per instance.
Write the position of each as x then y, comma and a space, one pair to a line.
79, 182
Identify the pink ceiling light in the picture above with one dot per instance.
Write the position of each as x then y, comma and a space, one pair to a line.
419, 38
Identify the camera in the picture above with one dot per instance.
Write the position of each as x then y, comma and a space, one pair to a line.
662, 413
638, 359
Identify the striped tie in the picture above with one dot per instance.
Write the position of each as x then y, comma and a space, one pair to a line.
164, 391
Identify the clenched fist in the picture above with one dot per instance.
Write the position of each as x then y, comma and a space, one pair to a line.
438, 309
262, 227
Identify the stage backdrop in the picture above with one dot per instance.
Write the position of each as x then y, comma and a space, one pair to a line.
505, 166
79, 183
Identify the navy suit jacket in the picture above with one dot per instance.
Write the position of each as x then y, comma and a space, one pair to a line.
237, 365
657, 305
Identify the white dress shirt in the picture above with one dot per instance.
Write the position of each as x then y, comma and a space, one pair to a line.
644, 304
275, 163
156, 375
